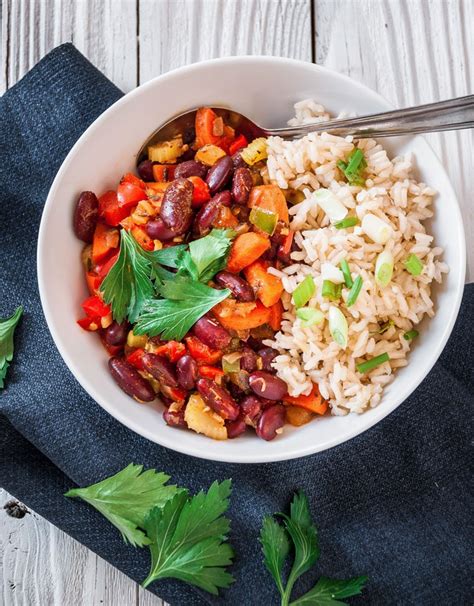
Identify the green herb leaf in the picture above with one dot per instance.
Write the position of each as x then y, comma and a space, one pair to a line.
186, 301
126, 497
210, 253
275, 547
354, 292
128, 283
188, 539
169, 257
369, 365
7, 330
329, 592
346, 223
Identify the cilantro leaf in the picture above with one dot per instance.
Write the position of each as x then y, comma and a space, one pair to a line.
329, 592
210, 253
126, 497
128, 283
7, 330
186, 301
188, 539
275, 547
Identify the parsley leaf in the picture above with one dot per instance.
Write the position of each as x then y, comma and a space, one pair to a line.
128, 283
185, 302
7, 330
329, 592
275, 547
169, 257
188, 539
210, 253
126, 497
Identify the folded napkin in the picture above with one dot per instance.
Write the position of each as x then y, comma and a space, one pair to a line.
391, 503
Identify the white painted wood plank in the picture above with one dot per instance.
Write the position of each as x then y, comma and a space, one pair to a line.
410, 51
179, 32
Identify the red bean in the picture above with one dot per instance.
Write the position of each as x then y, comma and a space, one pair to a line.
248, 361
130, 380
241, 289
219, 174
218, 398
251, 408
235, 428
174, 418
187, 372
242, 183
116, 334
85, 216
272, 419
190, 168
176, 207
211, 333
145, 170
267, 386
238, 161
267, 354
161, 369
208, 213
157, 230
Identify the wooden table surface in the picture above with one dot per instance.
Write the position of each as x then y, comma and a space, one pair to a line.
410, 51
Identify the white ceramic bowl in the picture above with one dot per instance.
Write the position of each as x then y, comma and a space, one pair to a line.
265, 89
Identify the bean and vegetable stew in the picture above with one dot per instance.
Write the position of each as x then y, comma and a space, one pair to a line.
176, 264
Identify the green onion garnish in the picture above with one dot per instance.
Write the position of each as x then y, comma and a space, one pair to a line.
331, 291
309, 316
338, 326
304, 291
346, 272
369, 365
347, 222
385, 327
413, 265
354, 292
266, 220
354, 167
411, 334
384, 268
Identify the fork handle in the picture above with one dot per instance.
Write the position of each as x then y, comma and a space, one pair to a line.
452, 114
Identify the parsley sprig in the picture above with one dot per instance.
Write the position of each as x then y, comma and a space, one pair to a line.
7, 330
298, 527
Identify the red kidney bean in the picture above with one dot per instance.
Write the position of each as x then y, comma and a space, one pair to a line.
211, 333
254, 343
248, 361
251, 408
186, 371
271, 253
174, 418
145, 170
238, 161
130, 380
242, 183
241, 289
267, 354
220, 174
176, 207
235, 391
116, 334
235, 428
208, 213
190, 168
267, 386
272, 419
157, 230
161, 369
85, 216
189, 135
218, 398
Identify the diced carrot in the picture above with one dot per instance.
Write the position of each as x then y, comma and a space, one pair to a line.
225, 218
314, 402
268, 288
246, 249
276, 313
158, 186
106, 240
231, 307
142, 238
163, 172
205, 126
297, 416
258, 316
270, 197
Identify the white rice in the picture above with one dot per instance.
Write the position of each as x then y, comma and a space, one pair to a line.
309, 354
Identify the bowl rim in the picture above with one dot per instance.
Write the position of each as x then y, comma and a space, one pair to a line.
240, 456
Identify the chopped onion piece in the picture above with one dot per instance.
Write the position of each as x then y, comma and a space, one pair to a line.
231, 362
334, 209
338, 326
332, 273
309, 316
376, 229
414, 265
304, 291
384, 268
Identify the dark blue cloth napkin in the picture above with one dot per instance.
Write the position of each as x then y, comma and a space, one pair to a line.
392, 503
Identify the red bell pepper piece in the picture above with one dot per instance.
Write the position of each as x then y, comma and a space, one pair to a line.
106, 240
237, 144
175, 393
133, 179
201, 193
211, 372
93, 282
89, 323
140, 235
130, 191
136, 358
163, 172
103, 270
110, 210
173, 350
94, 307
201, 352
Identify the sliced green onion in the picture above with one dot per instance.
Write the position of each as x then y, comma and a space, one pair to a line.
334, 209
411, 334
384, 268
353, 168
338, 326
377, 230
369, 365
309, 316
413, 265
347, 222
346, 273
266, 220
231, 362
385, 327
304, 291
354, 292
331, 291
